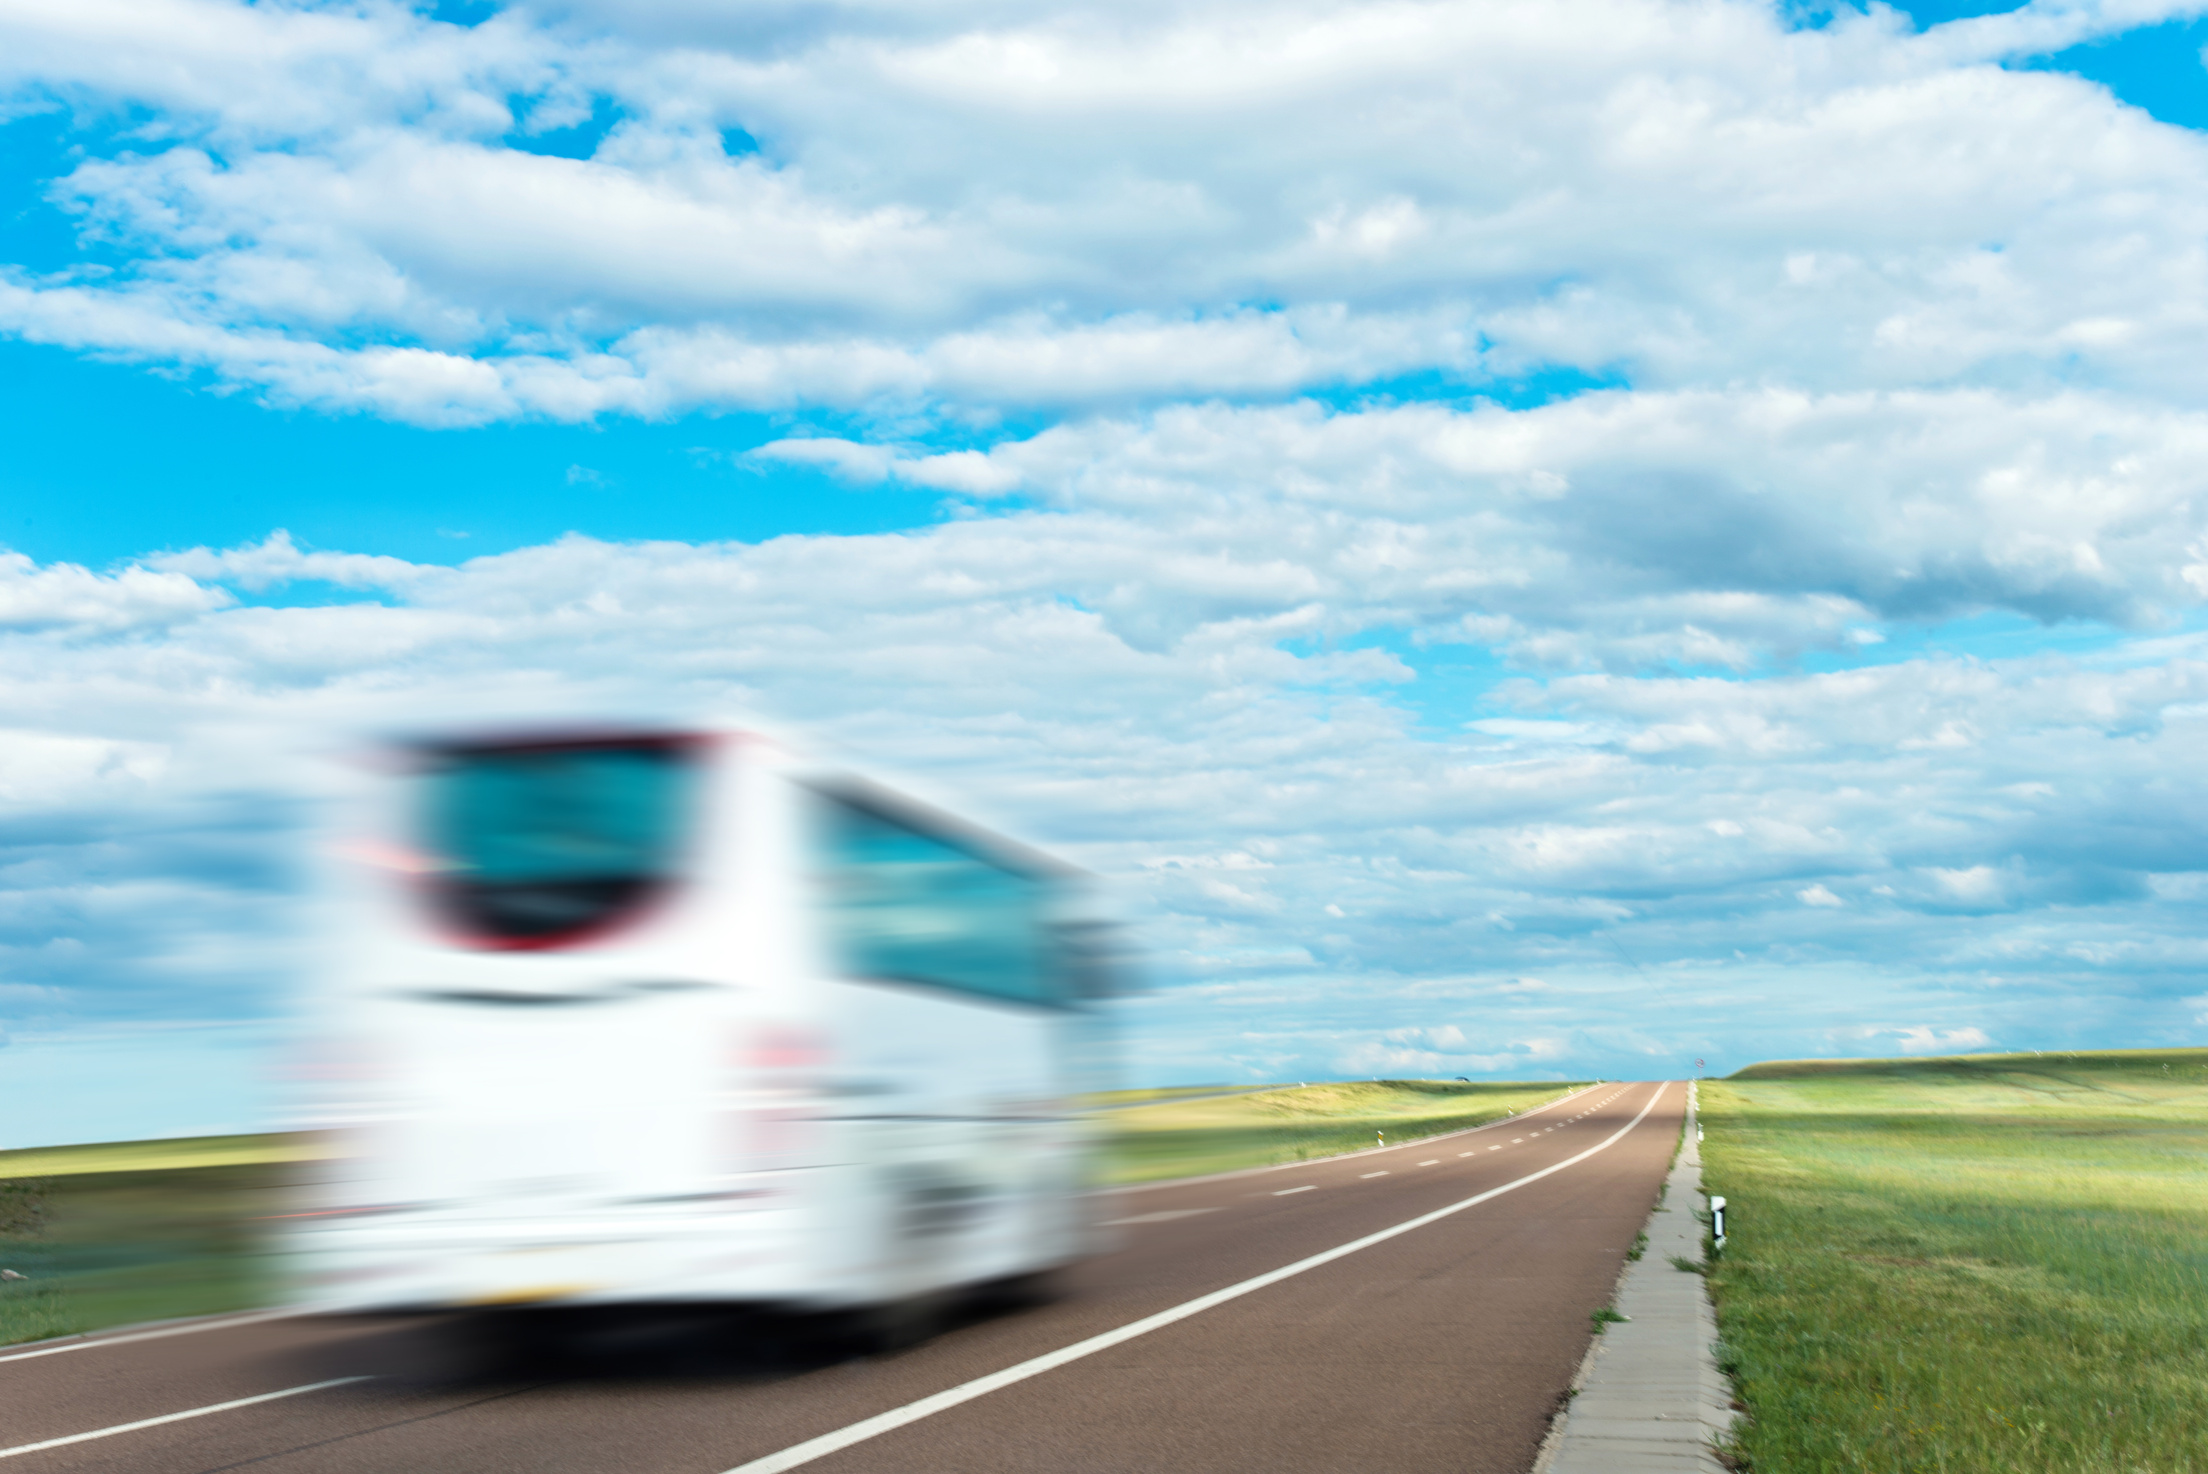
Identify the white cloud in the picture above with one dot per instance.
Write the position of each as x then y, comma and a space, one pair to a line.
40, 769
1443, 1059
1926, 1040
1978, 884
1579, 721
1446, 1037
277, 560
64, 594
1274, 804
1124, 190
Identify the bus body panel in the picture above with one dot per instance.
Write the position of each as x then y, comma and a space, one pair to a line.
689, 1107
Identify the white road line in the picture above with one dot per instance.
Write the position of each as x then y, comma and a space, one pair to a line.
912, 1412
1492, 1149
204, 1325
1510, 1120
1372, 1174
1516, 1139
1307, 1187
1436, 1162
1163, 1216
1467, 1154
196, 1412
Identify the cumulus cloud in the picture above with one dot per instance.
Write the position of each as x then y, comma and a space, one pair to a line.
1924, 1040
983, 206
66, 595
1275, 805
277, 560
1443, 1037
1531, 1058
1461, 508
1642, 530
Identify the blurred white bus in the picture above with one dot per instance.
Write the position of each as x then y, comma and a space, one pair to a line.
651, 1018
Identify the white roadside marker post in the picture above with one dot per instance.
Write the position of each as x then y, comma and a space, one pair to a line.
1717, 1223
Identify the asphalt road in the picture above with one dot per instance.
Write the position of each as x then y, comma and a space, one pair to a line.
1444, 1345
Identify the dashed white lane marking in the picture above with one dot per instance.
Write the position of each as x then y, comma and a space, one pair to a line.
1516, 1139
1303, 1189
1511, 1116
1436, 1162
1467, 1154
204, 1325
195, 1412
1492, 1149
1163, 1216
1372, 1174
927, 1407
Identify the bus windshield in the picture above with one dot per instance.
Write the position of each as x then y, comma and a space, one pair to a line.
535, 844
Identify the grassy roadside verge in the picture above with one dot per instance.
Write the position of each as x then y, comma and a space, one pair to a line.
1980, 1263
113, 1248
118, 1232
1188, 1139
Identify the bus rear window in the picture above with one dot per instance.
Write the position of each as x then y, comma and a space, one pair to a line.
537, 845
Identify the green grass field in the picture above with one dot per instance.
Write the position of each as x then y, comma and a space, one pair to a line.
1295, 1123
1981, 1263
125, 1231
114, 1248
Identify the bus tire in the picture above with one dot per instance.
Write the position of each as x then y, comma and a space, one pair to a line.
896, 1325
1028, 1291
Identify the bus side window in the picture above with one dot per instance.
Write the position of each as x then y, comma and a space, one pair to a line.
906, 906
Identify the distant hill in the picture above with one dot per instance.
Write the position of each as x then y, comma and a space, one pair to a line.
1947, 1064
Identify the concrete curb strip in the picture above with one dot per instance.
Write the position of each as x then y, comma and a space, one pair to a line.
1650, 1395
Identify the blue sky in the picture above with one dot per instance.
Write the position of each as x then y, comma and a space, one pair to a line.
1525, 543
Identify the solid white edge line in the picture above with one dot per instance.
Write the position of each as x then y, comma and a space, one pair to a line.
197, 1412
206, 1325
912, 1412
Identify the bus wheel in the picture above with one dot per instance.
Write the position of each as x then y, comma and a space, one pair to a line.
898, 1325
1023, 1291
502, 1343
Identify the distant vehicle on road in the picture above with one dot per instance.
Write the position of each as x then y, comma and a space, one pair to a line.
623, 1018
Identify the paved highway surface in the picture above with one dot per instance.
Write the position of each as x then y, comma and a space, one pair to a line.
1435, 1305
